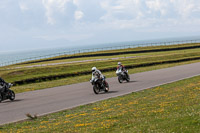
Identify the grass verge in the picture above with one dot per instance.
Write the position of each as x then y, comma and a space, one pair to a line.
172, 107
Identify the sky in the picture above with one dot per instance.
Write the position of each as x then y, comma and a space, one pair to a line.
34, 24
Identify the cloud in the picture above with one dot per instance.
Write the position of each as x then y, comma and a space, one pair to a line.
78, 15
186, 8
77, 2
102, 20
157, 5
23, 6
90, 8
151, 14
53, 6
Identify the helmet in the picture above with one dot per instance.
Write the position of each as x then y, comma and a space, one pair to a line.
94, 69
119, 63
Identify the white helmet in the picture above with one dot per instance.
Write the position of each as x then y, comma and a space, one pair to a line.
94, 69
119, 63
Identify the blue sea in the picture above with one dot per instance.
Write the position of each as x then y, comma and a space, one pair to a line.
7, 58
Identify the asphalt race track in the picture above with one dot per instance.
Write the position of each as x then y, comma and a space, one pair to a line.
60, 98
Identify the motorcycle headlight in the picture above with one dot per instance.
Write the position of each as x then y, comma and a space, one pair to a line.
10, 84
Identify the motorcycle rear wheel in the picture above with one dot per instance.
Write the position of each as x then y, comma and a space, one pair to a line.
106, 87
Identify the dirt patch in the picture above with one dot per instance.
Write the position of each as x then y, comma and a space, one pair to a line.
15, 73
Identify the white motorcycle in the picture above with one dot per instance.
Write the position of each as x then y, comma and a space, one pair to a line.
122, 75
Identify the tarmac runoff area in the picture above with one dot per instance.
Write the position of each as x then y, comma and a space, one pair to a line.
55, 99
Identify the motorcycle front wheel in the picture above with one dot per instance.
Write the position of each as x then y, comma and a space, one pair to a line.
96, 89
0, 98
12, 95
127, 78
120, 79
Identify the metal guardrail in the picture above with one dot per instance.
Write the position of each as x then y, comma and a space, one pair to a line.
98, 49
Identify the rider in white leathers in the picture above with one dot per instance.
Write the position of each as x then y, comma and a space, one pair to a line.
96, 73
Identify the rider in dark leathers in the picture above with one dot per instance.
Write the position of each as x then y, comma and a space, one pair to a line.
120, 66
3, 86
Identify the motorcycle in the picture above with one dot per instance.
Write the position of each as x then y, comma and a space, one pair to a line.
99, 85
122, 75
9, 94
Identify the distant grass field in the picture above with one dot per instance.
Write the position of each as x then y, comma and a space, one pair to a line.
168, 108
27, 73
12, 74
120, 51
86, 66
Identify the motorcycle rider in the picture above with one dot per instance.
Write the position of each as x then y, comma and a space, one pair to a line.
97, 73
120, 66
3, 86
100, 79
